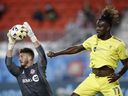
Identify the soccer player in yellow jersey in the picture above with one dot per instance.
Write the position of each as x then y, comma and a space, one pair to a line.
106, 51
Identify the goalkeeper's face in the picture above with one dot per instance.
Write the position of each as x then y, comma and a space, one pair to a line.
25, 59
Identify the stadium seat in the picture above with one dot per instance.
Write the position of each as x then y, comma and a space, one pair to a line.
20, 11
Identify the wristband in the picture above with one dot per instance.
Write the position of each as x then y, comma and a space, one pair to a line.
10, 46
33, 38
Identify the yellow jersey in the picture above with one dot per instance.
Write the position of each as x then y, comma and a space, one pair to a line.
105, 52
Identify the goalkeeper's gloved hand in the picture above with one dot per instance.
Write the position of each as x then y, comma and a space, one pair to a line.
30, 32
11, 41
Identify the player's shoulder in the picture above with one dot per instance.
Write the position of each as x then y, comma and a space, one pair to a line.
91, 38
117, 39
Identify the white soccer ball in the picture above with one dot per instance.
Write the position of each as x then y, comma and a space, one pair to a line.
18, 32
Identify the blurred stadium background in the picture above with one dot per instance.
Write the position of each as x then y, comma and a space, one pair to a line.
58, 24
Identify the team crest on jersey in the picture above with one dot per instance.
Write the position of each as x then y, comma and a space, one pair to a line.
32, 71
110, 46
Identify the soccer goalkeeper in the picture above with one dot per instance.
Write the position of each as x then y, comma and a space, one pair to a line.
31, 77
106, 51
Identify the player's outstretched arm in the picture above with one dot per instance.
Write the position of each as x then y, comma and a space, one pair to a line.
15, 70
68, 51
36, 43
11, 43
31, 35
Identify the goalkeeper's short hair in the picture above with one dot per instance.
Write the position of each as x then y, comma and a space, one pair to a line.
27, 50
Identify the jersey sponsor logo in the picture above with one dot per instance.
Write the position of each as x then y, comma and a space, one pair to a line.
35, 78
26, 80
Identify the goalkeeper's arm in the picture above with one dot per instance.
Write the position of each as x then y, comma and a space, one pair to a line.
31, 35
36, 43
15, 70
11, 43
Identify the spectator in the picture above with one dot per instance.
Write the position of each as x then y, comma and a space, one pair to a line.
50, 12
80, 19
89, 15
38, 15
2, 10
2, 35
72, 25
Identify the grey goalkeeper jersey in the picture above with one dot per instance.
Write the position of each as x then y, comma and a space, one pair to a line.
32, 80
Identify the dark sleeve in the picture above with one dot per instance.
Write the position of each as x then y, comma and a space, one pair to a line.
13, 69
42, 61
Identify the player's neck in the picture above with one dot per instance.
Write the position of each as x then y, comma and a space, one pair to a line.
105, 37
30, 63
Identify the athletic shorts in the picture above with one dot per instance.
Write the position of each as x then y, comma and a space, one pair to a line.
93, 84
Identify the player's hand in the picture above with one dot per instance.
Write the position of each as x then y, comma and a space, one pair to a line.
11, 41
28, 27
113, 77
51, 54
30, 33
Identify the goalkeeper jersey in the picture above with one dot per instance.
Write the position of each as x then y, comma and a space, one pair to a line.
105, 52
32, 80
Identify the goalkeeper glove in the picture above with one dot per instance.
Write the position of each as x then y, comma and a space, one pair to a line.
11, 41
30, 32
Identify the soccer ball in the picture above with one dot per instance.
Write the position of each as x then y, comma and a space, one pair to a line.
18, 32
